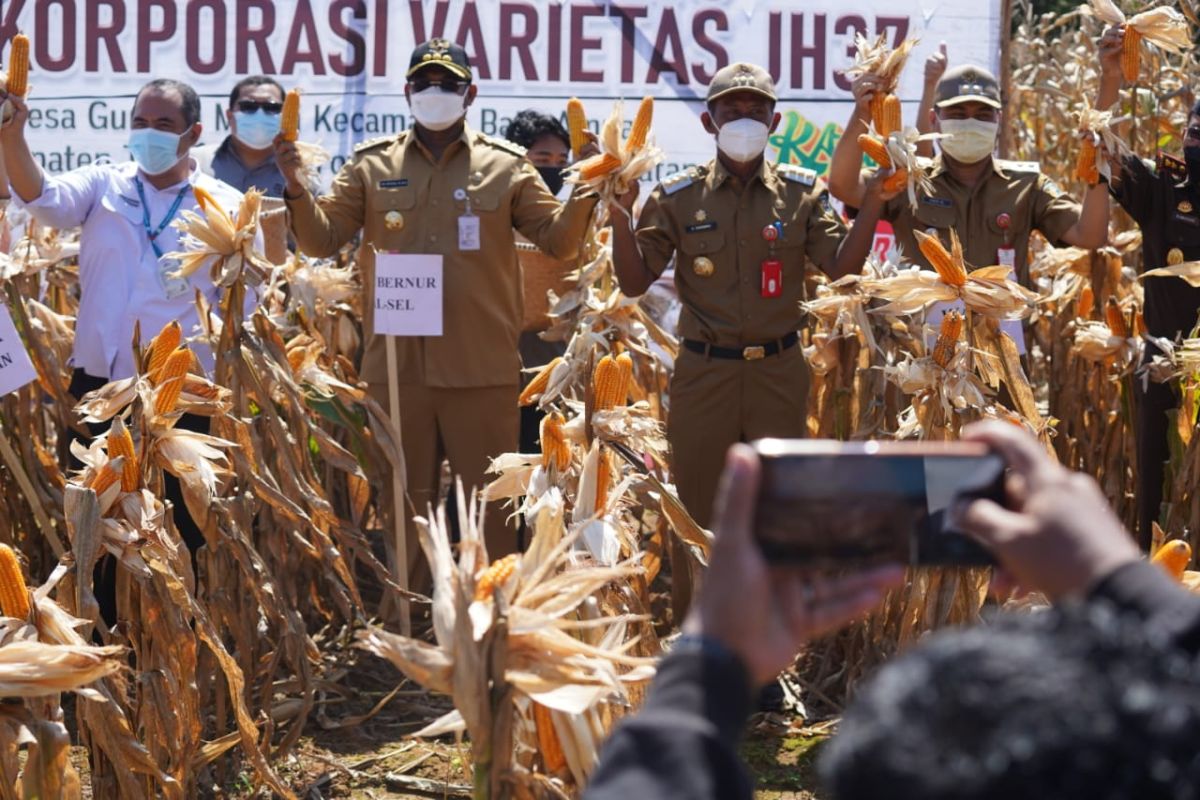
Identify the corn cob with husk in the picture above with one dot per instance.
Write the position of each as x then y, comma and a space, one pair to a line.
165, 343
541, 380
948, 265
1163, 26
120, 445
556, 451
620, 163
495, 576
170, 383
947, 341
876, 58
876, 150
640, 128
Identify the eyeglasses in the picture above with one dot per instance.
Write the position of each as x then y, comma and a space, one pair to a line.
250, 106
449, 85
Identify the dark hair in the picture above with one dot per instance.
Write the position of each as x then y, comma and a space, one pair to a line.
190, 105
1079, 704
252, 81
528, 126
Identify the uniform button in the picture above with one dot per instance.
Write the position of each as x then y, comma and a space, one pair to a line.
742, 242
434, 203
433, 237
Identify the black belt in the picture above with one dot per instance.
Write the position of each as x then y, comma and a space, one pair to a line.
751, 353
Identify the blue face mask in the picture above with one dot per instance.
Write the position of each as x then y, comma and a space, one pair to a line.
257, 129
154, 151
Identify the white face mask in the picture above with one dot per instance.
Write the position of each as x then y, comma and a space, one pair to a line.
154, 151
256, 129
437, 110
743, 139
968, 141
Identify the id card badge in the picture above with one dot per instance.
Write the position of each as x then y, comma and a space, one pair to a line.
772, 278
1007, 257
468, 232
173, 286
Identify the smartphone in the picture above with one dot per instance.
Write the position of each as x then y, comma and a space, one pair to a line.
832, 504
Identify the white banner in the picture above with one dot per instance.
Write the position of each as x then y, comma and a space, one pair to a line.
349, 57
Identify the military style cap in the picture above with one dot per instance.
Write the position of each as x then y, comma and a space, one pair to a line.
440, 53
741, 77
965, 84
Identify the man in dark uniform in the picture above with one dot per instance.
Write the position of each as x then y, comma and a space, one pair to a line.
1164, 201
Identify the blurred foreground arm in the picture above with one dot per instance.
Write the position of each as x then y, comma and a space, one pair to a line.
747, 626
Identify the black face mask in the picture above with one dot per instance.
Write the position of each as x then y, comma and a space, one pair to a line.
552, 177
1192, 156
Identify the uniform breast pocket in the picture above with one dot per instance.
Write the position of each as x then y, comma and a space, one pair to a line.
934, 215
396, 222
701, 257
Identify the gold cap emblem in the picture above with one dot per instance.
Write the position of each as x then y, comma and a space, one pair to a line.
704, 267
1185, 207
394, 220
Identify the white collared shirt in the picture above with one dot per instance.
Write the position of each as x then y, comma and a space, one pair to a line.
120, 277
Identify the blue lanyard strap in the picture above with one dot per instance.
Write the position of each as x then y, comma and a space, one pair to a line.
152, 234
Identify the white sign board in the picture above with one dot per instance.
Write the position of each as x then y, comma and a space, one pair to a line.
16, 370
350, 56
408, 294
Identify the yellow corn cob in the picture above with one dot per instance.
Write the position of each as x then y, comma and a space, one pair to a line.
1085, 166
120, 443
603, 479
599, 167
1115, 318
625, 362
885, 113
289, 118
14, 595
1086, 303
538, 384
576, 125
1173, 557
606, 384
895, 182
947, 341
18, 66
171, 382
1131, 54
104, 478
551, 748
161, 348
495, 576
876, 150
950, 271
641, 126
555, 449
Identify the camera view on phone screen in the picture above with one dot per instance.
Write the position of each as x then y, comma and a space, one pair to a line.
832, 503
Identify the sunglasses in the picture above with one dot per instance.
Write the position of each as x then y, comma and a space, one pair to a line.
449, 85
1192, 133
250, 106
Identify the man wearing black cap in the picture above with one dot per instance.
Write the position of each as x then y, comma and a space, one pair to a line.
993, 205
440, 188
1163, 197
740, 229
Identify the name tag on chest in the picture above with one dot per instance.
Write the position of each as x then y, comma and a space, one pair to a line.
468, 232
408, 294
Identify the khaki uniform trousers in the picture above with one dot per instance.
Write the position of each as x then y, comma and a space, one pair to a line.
716, 403
467, 426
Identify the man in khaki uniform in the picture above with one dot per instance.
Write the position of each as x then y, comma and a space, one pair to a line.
740, 229
414, 193
993, 205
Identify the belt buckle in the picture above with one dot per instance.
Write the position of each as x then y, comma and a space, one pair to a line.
755, 353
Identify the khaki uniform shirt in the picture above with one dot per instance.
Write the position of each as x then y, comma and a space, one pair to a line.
405, 202
1016, 189
706, 219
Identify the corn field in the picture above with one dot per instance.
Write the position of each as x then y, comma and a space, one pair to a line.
219, 661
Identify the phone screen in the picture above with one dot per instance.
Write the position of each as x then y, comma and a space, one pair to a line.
829, 504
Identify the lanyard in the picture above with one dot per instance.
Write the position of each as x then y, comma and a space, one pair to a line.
162, 226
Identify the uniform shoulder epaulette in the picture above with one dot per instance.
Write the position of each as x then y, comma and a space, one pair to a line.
800, 175
1020, 166
378, 141
680, 180
503, 144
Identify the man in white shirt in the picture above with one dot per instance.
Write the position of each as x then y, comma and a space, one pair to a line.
126, 211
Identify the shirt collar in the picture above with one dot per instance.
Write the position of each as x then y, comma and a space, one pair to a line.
718, 174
